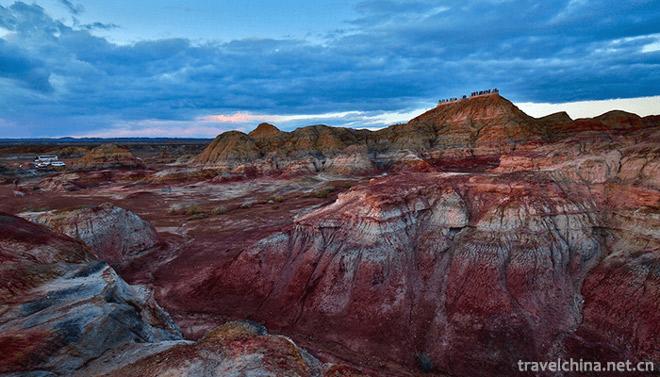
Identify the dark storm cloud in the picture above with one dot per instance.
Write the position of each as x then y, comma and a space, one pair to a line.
23, 69
393, 56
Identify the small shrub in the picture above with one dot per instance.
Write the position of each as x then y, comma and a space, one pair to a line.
194, 210
198, 216
185, 209
324, 192
247, 204
219, 210
277, 198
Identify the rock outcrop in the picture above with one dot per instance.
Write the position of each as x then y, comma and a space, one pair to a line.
113, 233
533, 260
108, 156
61, 308
234, 349
65, 313
484, 122
267, 150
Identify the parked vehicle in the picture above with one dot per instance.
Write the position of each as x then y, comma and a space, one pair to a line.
48, 161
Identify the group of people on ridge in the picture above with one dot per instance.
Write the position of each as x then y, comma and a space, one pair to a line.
473, 94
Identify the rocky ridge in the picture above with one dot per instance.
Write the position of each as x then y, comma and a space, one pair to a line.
480, 127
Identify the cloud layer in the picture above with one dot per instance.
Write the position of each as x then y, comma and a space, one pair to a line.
393, 56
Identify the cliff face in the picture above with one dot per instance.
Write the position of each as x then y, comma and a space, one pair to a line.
475, 272
430, 264
535, 259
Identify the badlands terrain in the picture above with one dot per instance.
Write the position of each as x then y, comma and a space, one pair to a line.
469, 238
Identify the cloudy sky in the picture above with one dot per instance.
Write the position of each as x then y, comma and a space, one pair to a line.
196, 68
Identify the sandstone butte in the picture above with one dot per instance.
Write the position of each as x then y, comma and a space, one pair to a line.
485, 237
471, 133
107, 156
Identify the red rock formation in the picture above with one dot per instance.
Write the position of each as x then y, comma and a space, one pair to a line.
421, 264
265, 131
496, 237
621, 314
475, 271
63, 313
488, 121
61, 308
114, 234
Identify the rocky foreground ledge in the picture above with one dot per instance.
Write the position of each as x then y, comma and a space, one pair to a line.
65, 313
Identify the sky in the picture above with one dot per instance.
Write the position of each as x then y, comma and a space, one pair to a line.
196, 68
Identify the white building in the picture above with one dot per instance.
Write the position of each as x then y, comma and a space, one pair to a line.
46, 158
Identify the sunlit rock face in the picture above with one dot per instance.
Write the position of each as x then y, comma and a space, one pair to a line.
465, 135
307, 150
113, 233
